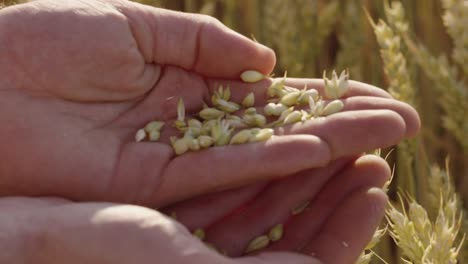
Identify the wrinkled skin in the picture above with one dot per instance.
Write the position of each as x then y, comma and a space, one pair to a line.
80, 77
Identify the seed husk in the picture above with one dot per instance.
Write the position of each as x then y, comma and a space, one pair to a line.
251, 76
181, 110
200, 233
140, 135
293, 117
241, 137
154, 135
276, 233
333, 107
211, 113
258, 243
249, 100
300, 208
154, 125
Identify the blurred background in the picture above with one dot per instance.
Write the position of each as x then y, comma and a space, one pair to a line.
419, 52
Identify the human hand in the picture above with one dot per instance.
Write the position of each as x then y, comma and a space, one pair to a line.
80, 77
344, 211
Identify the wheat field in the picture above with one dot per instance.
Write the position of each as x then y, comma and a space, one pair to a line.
418, 51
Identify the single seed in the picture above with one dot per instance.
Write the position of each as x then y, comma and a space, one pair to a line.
262, 135
316, 108
305, 116
300, 208
249, 100
336, 87
180, 125
191, 132
205, 141
194, 145
235, 121
195, 123
333, 107
277, 88
200, 233
180, 145
154, 125
223, 140
154, 135
276, 233
258, 243
226, 106
290, 89
241, 137
306, 95
249, 120
251, 76
140, 135
285, 113
290, 99
293, 117
260, 120
250, 111
207, 126
221, 133
211, 113
226, 94
269, 109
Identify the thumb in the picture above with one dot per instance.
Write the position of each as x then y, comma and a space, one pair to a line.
278, 258
194, 42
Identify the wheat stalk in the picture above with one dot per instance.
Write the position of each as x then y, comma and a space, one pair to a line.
456, 21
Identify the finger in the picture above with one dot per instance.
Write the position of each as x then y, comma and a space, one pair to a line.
203, 211
23, 204
239, 89
195, 42
278, 258
350, 228
93, 232
408, 113
270, 207
232, 166
368, 170
352, 132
